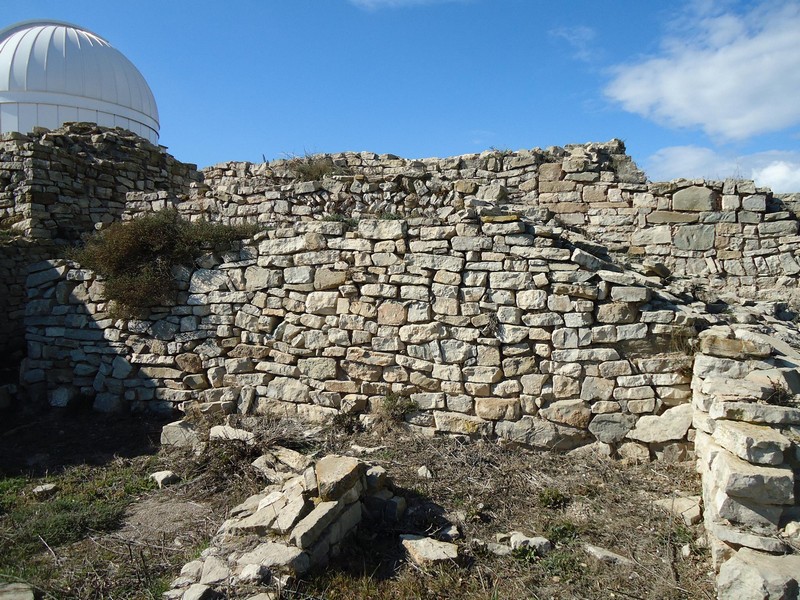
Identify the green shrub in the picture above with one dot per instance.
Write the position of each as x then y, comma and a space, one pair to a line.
315, 168
563, 531
561, 563
136, 257
552, 498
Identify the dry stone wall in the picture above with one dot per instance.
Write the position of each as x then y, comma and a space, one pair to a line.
722, 237
58, 185
492, 326
64, 183
746, 443
737, 237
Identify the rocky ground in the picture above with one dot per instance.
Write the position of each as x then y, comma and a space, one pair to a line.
473, 494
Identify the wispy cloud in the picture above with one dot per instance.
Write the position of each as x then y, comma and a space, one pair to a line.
580, 39
379, 4
732, 75
777, 169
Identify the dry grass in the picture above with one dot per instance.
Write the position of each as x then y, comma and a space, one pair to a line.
483, 488
488, 489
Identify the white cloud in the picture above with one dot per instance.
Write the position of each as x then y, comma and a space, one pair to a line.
580, 38
776, 169
780, 175
733, 75
378, 4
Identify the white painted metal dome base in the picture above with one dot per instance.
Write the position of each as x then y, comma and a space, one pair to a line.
52, 73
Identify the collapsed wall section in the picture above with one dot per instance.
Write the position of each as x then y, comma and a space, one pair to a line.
490, 326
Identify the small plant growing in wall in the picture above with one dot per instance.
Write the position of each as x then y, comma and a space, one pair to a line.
315, 168
137, 257
336, 217
394, 408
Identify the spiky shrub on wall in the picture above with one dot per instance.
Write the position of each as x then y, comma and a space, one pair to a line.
137, 257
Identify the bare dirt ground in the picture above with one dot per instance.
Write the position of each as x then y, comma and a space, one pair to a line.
480, 487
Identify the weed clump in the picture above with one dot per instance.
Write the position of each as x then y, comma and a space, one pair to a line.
552, 498
394, 408
86, 500
137, 257
349, 222
315, 168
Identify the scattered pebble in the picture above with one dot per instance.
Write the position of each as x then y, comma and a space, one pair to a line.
425, 472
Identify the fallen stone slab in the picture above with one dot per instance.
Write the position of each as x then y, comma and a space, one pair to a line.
44, 491
688, 508
296, 508
607, 556
163, 478
16, 591
427, 551
336, 475
672, 425
179, 434
258, 523
198, 591
499, 549
539, 545
271, 554
214, 571
751, 575
291, 458
226, 433
308, 530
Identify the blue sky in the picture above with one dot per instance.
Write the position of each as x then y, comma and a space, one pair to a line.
695, 88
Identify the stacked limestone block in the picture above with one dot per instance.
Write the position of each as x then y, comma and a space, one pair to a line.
746, 417
491, 325
63, 183
730, 231
737, 237
59, 185
290, 529
16, 255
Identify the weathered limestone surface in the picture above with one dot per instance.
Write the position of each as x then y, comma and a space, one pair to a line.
524, 339
491, 298
294, 527
746, 459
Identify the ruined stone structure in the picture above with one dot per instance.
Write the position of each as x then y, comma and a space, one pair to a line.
544, 297
56, 186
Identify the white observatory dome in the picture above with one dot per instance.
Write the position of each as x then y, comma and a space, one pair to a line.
53, 72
